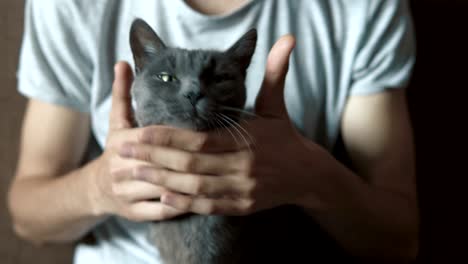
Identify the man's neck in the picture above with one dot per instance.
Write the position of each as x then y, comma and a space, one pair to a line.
216, 7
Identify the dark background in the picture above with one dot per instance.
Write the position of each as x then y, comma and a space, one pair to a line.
438, 108
437, 104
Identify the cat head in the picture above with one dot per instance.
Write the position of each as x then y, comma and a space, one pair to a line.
188, 88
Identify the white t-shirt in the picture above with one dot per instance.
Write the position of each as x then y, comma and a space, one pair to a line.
343, 48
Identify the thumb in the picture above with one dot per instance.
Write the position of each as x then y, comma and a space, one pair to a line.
270, 100
121, 111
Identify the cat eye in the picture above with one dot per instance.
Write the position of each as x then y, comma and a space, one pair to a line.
166, 77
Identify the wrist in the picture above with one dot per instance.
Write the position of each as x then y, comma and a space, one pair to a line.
333, 187
91, 173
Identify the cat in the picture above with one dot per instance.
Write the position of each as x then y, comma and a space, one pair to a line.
190, 89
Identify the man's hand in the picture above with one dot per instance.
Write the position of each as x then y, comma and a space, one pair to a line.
114, 192
271, 164
245, 177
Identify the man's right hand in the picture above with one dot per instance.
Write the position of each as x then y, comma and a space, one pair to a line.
114, 188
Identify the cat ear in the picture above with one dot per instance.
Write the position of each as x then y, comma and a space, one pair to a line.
144, 42
244, 48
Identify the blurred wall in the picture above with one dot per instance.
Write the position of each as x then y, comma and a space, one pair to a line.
437, 103
13, 250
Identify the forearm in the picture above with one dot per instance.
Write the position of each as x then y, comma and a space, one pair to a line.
364, 219
54, 209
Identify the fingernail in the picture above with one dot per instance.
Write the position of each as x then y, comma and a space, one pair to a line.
126, 151
143, 173
168, 199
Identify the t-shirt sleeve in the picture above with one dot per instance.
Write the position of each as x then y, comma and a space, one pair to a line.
53, 66
386, 54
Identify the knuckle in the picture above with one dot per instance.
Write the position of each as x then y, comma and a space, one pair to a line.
248, 206
245, 161
200, 141
162, 176
210, 208
140, 172
166, 137
251, 188
143, 153
116, 176
145, 135
158, 177
160, 136
188, 163
198, 187
187, 205
248, 167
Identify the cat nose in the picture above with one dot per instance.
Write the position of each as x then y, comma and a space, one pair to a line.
194, 97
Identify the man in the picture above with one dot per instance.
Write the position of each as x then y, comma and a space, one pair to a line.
344, 80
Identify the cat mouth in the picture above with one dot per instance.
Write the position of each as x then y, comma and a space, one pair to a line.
202, 124
194, 113
200, 117
194, 120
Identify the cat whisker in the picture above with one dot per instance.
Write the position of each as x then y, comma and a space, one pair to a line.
219, 121
232, 123
211, 123
242, 111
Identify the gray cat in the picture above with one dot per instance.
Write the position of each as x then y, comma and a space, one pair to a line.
191, 89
